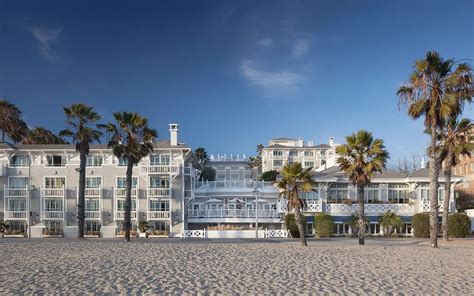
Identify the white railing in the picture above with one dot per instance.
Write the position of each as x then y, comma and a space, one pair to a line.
313, 206
120, 215
194, 234
425, 206
159, 169
52, 192
15, 192
92, 192
157, 192
232, 213
13, 215
52, 215
249, 184
122, 192
92, 215
276, 233
370, 208
158, 215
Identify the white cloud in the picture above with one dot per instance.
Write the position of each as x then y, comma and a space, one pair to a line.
45, 38
272, 83
300, 48
266, 42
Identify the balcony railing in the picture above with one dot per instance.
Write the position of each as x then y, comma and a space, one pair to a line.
159, 169
425, 206
15, 192
52, 192
120, 215
232, 213
248, 184
15, 215
52, 215
370, 208
93, 192
159, 192
122, 192
93, 215
158, 215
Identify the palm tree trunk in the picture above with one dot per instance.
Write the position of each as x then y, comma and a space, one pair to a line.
128, 201
360, 214
447, 193
81, 202
434, 168
299, 223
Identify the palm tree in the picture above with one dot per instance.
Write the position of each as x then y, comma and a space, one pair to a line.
455, 141
389, 222
201, 155
361, 157
436, 92
294, 180
260, 149
132, 140
11, 123
83, 131
40, 135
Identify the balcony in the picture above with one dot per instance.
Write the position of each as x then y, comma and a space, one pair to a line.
15, 192
16, 215
243, 184
120, 215
52, 215
159, 169
122, 192
92, 192
232, 213
370, 208
52, 192
158, 215
159, 192
92, 215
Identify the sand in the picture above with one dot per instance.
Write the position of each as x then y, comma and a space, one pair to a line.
336, 266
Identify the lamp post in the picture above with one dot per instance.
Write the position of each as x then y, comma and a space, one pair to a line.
255, 191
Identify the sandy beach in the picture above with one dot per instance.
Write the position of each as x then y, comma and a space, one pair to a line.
339, 266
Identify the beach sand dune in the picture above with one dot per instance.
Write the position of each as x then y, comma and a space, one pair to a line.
336, 266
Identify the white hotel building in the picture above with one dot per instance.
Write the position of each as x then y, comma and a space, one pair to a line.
38, 195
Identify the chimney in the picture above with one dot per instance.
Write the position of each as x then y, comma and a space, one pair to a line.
422, 165
331, 141
300, 142
173, 134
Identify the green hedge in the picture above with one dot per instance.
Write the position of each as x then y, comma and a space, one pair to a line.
323, 225
290, 224
421, 225
459, 225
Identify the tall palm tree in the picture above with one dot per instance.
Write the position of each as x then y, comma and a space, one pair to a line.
83, 130
11, 123
201, 155
40, 135
360, 158
131, 139
455, 141
436, 91
260, 149
295, 179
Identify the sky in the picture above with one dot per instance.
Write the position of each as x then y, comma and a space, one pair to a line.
233, 74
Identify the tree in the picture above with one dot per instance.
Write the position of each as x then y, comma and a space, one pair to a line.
83, 130
40, 135
295, 179
436, 92
360, 158
201, 155
389, 222
455, 141
208, 174
255, 162
260, 149
269, 176
132, 140
11, 123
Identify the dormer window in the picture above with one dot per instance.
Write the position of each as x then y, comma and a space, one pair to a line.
20, 161
55, 160
94, 160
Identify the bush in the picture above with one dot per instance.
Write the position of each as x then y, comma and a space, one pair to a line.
208, 174
290, 224
420, 224
459, 225
323, 225
269, 176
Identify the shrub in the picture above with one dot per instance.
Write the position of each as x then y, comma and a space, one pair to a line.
208, 174
290, 224
421, 225
269, 176
459, 225
323, 225
389, 222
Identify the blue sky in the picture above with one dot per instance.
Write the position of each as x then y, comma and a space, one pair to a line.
232, 73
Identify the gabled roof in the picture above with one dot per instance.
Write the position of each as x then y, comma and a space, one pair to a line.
425, 173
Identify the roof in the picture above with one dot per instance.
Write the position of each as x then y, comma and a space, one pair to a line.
335, 172
425, 173
283, 139
322, 146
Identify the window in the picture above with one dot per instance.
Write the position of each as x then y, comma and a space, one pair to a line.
122, 161
55, 160
18, 182
323, 154
94, 160
221, 176
337, 193
159, 205
121, 205
371, 193
54, 182
309, 164
92, 204
293, 153
309, 195
425, 194
16, 205
20, 161
308, 153
160, 159
277, 153
159, 182
472, 166
93, 182
398, 193
122, 182
91, 227
53, 205
277, 163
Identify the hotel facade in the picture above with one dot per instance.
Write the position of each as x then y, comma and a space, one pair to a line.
39, 192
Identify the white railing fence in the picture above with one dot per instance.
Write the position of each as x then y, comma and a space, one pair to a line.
276, 233
194, 233
232, 213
